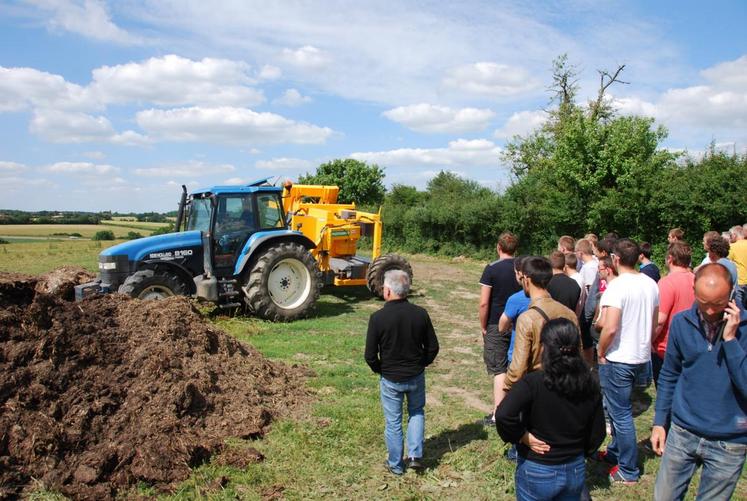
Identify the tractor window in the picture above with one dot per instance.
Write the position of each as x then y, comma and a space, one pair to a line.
270, 211
234, 223
199, 215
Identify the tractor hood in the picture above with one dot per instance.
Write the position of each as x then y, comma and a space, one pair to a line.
164, 247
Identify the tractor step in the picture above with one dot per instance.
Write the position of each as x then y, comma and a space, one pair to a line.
229, 294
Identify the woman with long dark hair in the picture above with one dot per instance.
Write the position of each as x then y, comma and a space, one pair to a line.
555, 415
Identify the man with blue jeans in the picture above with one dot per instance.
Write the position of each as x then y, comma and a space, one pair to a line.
400, 343
632, 301
703, 393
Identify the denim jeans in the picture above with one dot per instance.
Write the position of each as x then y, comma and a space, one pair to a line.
537, 481
392, 397
617, 381
722, 466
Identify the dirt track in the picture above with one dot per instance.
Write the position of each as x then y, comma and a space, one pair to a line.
100, 395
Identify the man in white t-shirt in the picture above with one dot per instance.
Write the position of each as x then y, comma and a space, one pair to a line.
624, 349
585, 252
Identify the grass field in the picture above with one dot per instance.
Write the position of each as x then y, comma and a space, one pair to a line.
47, 231
136, 225
337, 451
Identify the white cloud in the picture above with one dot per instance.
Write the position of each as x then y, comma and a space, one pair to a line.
284, 164
16, 183
490, 79
81, 168
634, 106
307, 57
719, 105
521, 123
74, 127
21, 88
11, 167
174, 80
269, 72
729, 74
292, 97
188, 169
228, 125
70, 127
95, 155
87, 17
462, 152
440, 119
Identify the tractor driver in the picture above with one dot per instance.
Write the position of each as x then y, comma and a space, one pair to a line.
234, 226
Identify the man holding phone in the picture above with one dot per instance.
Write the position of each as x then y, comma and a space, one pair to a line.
702, 391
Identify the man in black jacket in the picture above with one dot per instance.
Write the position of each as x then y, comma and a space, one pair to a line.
400, 343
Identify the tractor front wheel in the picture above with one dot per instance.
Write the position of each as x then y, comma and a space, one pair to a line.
149, 284
380, 266
284, 283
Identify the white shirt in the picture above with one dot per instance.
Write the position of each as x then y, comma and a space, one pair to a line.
578, 278
636, 295
589, 273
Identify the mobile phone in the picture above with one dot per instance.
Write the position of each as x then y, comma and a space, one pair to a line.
731, 298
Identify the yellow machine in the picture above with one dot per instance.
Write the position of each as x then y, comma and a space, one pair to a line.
335, 229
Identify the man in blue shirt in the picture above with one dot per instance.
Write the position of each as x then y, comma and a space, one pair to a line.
703, 393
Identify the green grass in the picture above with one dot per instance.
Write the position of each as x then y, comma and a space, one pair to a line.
336, 451
41, 256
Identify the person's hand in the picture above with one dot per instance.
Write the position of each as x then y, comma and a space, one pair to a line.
658, 439
600, 359
731, 313
484, 331
534, 443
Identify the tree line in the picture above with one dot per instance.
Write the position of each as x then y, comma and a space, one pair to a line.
8, 216
587, 169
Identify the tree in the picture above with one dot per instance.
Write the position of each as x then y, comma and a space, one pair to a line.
586, 168
103, 235
359, 182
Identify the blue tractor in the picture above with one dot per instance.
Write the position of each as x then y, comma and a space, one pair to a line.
231, 246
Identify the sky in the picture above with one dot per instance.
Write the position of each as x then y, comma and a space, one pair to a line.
114, 105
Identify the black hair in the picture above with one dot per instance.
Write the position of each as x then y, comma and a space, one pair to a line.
645, 249
518, 261
606, 245
718, 246
538, 269
565, 371
628, 251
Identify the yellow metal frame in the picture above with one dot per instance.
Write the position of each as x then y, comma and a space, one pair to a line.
334, 228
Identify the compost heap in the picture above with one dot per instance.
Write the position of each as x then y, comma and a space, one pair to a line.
99, 395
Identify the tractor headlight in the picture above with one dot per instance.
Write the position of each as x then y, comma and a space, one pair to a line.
107, 266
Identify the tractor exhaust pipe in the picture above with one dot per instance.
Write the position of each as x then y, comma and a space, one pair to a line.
180, 214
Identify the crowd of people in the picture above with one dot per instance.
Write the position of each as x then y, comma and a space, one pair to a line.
567, 340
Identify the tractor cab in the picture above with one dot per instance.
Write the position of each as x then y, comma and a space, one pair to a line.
228, 216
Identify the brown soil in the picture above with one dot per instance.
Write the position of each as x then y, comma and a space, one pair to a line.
100, 395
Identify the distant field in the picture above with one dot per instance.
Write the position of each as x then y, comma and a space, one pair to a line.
138, 225
120, 229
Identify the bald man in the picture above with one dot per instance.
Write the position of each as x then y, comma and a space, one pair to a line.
702, 392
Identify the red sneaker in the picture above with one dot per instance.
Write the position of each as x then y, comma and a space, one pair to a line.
616, 477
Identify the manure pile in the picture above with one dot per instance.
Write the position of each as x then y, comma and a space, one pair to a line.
100, 395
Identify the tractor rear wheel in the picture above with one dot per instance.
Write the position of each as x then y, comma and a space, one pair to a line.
381, 265
283, 284
149, 284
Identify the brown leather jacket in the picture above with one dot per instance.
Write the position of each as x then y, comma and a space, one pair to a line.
526, 357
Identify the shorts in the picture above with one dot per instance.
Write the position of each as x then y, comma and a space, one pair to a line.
495, 350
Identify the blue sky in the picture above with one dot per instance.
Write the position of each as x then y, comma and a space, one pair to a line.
114, 105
